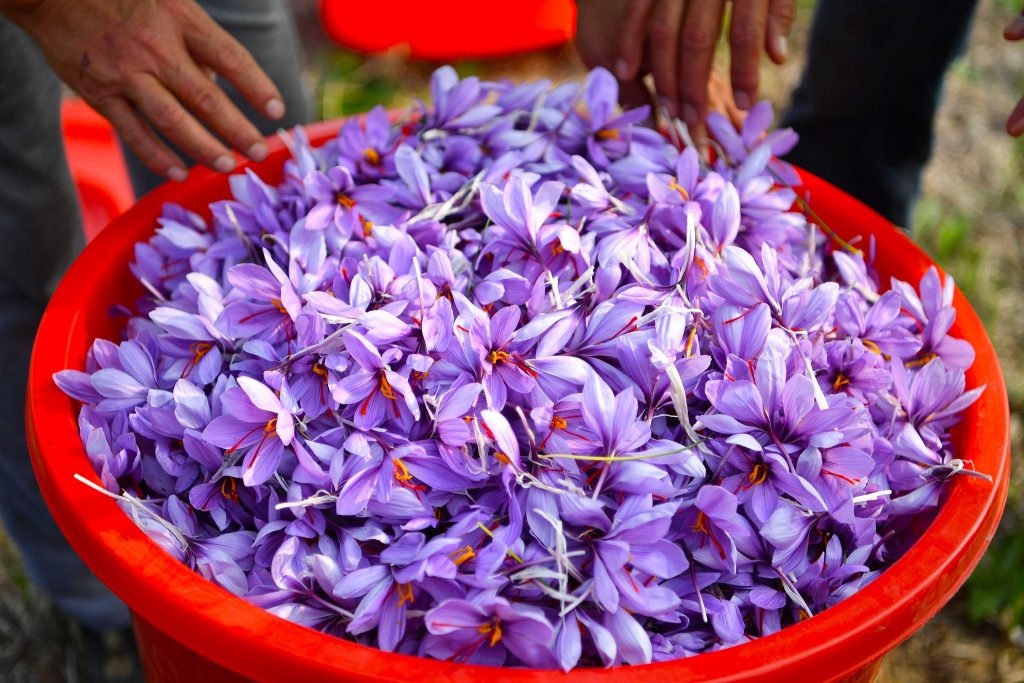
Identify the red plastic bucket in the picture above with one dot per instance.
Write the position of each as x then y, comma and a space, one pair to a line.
190, 629
457, 29
97, 166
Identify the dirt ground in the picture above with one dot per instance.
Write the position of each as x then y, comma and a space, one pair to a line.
969, 219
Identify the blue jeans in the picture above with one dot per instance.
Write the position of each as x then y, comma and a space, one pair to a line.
40, 234
865, 105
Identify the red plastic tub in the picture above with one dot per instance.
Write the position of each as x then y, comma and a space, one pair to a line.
189, 629
97, 166
456, 29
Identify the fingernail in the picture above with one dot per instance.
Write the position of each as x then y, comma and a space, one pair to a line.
691, 115
257, 152
668, 106
743, 100
177, 174
275, 108
782, 47
621, 68
223, 164
1015, 126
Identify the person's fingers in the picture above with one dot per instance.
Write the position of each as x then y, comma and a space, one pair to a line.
1015, 124
632, 93
138, 136
167, 116
666, 23
720, 99
632, 38
699, 35
203, 97
781, 15
1015, 28
746, 39
215, 48
1015, 31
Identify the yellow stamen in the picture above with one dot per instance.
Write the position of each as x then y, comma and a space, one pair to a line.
502, 458
758, 474
680, 189
372, 156
690, 342
494, 628
923, 360
608, 134
385, 387
367, 227
701, 525
229, 489
557, 248
404, 593
319, 369
462, 555
559, 423
871, 346
344, 200
271, 426
276, 303
401, 471
841, 381
499, 357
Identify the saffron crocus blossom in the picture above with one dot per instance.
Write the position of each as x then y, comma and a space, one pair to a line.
255, 421
377, 391
502, 368
341, 204
933, 309
516, 381
486, 630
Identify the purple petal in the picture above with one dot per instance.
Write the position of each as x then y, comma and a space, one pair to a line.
362, 351
634, 645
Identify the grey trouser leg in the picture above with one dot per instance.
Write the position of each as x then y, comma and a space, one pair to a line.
39, 235
869, 91
267, 29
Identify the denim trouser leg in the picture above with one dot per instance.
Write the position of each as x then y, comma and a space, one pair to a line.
869, 92
40, 233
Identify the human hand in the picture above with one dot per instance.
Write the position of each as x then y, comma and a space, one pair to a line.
676, 40
598, 41
149, 65
1015, 31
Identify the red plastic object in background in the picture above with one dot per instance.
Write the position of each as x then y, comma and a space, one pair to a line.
189, 629
456, 29
97, 166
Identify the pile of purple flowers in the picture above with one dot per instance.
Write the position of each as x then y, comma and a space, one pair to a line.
516, 381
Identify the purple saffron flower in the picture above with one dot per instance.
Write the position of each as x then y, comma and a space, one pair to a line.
257, 420
502, 368
933, 311
378, 391
485, 629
